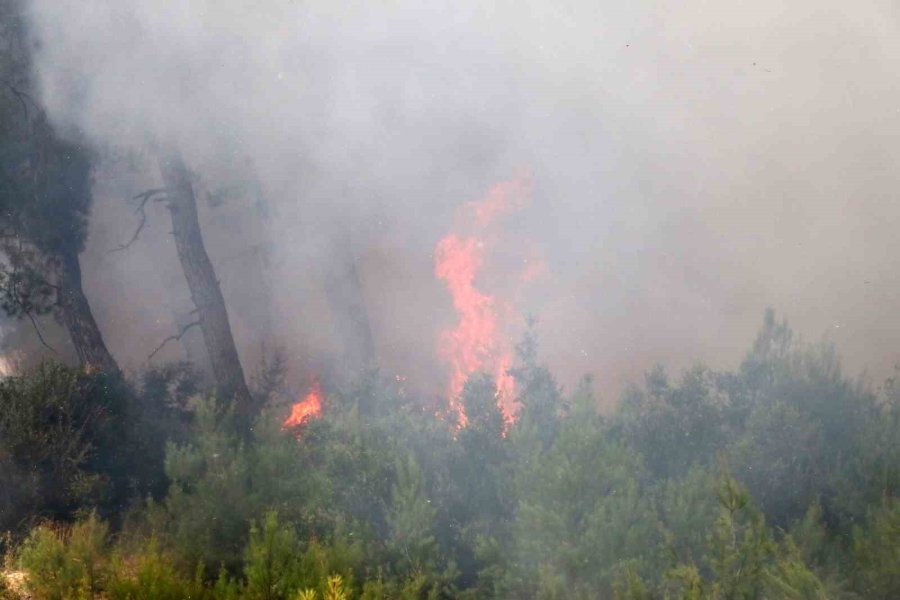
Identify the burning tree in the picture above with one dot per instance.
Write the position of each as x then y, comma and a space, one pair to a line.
478, 342
306, 409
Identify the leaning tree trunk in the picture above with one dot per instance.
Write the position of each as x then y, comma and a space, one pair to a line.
205, 292
76, 315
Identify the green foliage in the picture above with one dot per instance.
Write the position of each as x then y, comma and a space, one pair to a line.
581, 512
743, 558
271, 565
871, 471
778, 457
72, 441
411, 520
64, 429
334, 590
541, 399
276, 566
45, 190
790, 577
152, 575
398, 503
877, 553
66, 562
675, 426
804, 423
630, 587
687, 508
209, 503
740, 544
479, 506
685, 583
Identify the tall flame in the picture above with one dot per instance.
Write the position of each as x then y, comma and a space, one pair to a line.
477, 343
306, 409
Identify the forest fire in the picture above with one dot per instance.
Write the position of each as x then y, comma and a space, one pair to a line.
308, 408
477, 343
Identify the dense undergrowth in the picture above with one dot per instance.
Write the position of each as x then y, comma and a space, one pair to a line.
778, 480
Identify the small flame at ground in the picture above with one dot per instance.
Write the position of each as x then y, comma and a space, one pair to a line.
308, 408
477, 343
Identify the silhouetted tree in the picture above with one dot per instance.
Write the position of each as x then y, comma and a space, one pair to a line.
45, 200
212, 315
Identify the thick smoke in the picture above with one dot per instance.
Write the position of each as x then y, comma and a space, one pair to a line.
693, 163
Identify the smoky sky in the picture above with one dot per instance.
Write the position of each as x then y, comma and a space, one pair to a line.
693, 163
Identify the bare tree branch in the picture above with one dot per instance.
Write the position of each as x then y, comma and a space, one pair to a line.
144, 197
134, 236
17, 298
173, 338
37, 330
18, 95
22, 97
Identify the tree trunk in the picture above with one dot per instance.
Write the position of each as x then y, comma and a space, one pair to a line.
348, 307
77, 317
205, 292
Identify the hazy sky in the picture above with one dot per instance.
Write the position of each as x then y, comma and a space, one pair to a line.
693, 163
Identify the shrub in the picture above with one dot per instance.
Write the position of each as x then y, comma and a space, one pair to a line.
66, 562
152, 575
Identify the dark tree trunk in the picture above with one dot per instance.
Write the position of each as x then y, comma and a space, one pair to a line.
205, 292
76, 315
349, 313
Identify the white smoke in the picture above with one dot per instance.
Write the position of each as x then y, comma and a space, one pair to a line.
694, 162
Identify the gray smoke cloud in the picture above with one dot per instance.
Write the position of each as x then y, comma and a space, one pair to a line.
693, 163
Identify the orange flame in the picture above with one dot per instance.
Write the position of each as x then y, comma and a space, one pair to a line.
503, 197
306, 409
477, 343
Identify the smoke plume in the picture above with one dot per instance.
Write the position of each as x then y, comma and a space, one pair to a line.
692, 164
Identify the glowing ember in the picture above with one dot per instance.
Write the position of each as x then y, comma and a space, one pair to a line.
477, 343
306, 409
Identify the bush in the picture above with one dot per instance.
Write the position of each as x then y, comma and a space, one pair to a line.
65, 562
72, 441
272, 565
152, 575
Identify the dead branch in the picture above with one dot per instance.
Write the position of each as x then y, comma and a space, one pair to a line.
17, 298
144, 197
37, 329
22, 97
25, 311
18, 96
173, 338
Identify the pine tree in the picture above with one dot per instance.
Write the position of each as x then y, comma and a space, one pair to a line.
45, 200
205, 291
